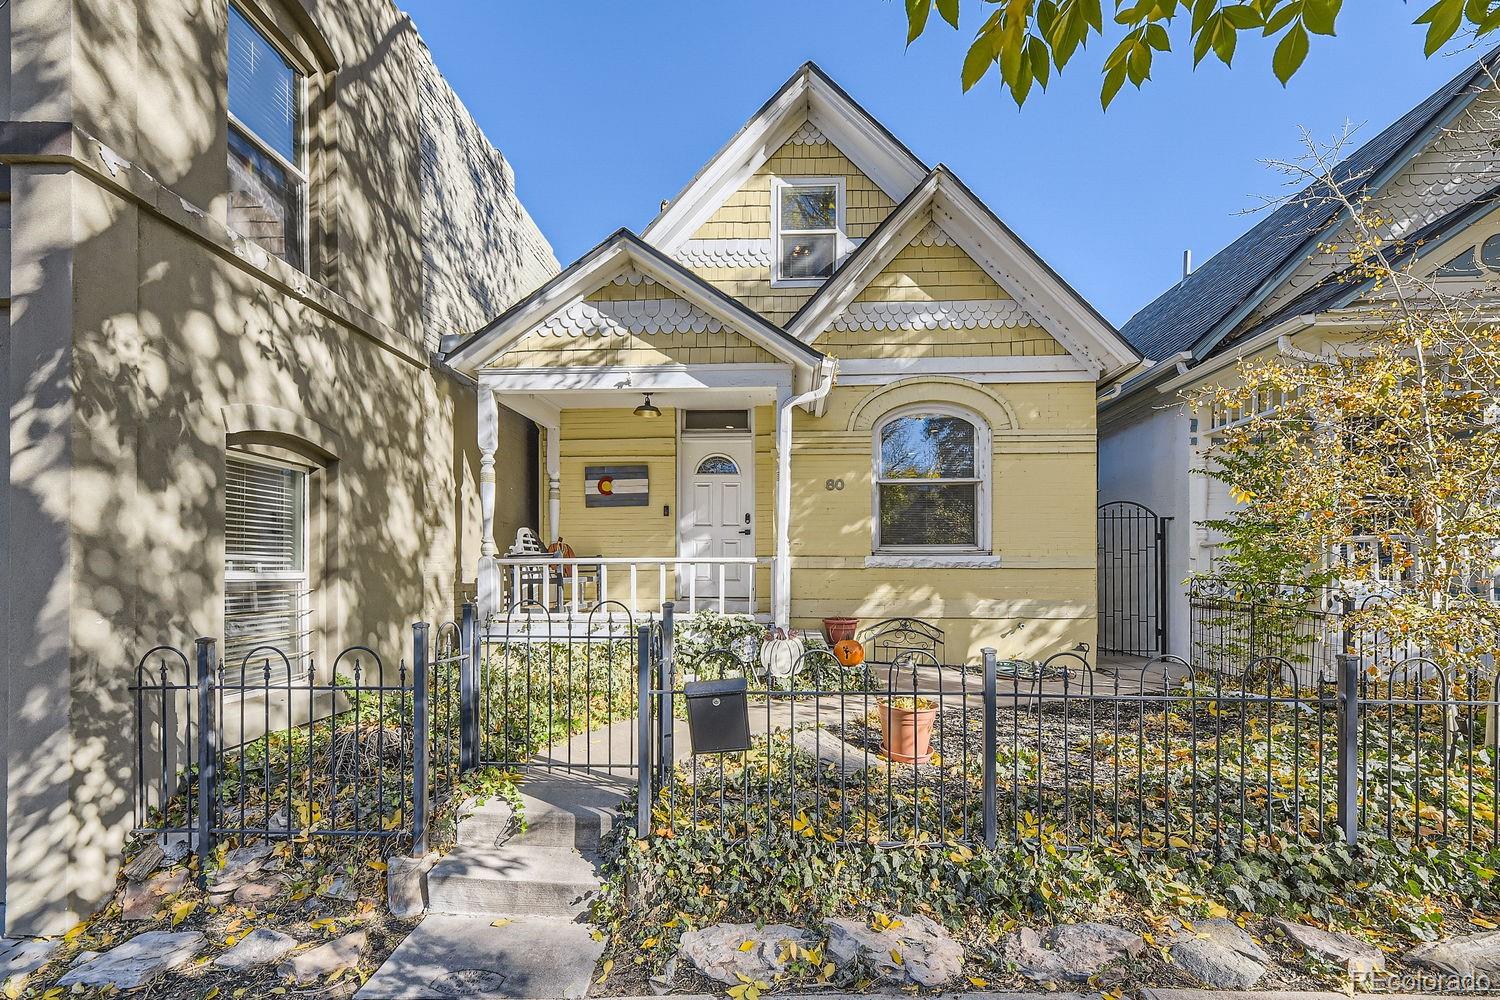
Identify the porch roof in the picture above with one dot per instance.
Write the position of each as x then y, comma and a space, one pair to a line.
600, 265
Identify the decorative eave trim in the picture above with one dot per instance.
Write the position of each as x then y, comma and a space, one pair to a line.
624, 252
736, 252
583, 318
810, 96
953, 314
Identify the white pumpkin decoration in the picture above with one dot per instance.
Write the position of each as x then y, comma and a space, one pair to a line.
780, 657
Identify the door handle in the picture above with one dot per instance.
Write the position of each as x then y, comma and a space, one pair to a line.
744, 531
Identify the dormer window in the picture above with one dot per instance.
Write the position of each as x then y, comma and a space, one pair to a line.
808, 228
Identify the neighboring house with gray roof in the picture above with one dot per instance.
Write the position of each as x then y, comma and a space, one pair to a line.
1432, 175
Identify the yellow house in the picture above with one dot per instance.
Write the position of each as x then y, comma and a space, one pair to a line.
826, 381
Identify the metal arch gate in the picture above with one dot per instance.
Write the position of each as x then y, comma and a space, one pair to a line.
1133, 585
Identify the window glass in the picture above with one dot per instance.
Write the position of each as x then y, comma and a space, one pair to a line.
811, 207
265, 200
928, 514
808, 256
718, 465
1490, 253
265, 567
267, 189
927, 447
1462, 266
928, 490
807, 225
716, 420
264, 89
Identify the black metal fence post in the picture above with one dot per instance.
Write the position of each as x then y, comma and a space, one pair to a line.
1163, 588
1347, 796
667, 685
419, 740
643, 724
991, 749
208, 753
468, 688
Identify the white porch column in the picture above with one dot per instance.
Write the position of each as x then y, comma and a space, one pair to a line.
781, 567
554, 480
489, 441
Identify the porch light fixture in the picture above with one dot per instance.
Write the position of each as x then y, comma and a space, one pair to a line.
646, 409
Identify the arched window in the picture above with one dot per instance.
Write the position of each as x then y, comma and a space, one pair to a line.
931, 489
718, 465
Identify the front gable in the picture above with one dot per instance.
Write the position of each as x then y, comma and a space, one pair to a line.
733, 248
630, 322
624, 305
943, 277
934, 301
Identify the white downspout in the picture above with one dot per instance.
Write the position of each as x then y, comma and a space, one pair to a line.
781, 570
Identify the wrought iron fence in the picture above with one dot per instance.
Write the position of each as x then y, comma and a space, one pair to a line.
1164, 754
254, 748
556, 690
900, 746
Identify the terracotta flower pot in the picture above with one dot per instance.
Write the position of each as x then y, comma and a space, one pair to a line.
839, 629
906, 729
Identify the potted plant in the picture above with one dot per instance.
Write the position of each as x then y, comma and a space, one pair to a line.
906, 729
839, 629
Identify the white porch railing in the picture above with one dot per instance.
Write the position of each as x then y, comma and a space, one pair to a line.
641, 583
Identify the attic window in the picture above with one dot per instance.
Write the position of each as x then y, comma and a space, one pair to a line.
1462, 266
809, 224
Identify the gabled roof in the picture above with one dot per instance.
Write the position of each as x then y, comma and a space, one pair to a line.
1013, 265
601, 264
1341, 288
810, 95
1196, 313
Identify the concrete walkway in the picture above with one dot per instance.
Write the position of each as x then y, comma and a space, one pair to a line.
507, 907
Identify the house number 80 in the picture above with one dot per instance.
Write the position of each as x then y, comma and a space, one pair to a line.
833, 484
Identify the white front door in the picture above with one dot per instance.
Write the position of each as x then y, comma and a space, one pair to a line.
716, 513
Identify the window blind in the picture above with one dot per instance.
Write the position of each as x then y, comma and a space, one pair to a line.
265, 568
264, 89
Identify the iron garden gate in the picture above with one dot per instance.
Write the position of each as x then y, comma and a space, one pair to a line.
1133, 586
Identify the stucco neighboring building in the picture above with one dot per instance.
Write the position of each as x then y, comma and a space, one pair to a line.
236, 231
1286, 285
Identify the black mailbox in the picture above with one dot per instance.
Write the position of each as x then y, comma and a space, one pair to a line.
718, 715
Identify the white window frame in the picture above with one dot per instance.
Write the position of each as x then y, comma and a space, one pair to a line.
297, 170
302, 609
982, 479
839, 231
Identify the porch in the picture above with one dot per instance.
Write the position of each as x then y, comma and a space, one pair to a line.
658, 483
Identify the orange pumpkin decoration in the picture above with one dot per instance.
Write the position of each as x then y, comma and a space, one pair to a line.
849, 652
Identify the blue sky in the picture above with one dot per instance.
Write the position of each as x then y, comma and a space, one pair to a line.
605, 109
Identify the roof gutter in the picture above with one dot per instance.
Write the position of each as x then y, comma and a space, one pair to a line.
1117, 388
1283, 331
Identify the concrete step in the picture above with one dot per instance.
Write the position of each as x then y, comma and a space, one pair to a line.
556, 813
449, 956
514, 880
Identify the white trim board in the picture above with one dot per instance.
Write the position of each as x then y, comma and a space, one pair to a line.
653, 378
996, 364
